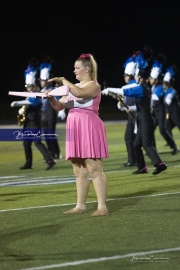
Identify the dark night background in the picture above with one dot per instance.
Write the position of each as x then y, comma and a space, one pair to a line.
110, 30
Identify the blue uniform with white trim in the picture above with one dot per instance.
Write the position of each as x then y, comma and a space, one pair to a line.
172, 104
145, 125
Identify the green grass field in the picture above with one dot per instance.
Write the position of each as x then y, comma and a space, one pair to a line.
142, 230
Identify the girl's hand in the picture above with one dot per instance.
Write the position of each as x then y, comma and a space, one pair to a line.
58, 80
47, 94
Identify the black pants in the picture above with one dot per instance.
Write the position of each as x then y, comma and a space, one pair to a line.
27, 143
160, 119
50, 126
129, 138
170, 125
144, 138
175, 118
40, 146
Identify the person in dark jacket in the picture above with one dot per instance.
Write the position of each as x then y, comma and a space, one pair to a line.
145, 121
32, 123
49, 115
159, 110
171, 98
130, 131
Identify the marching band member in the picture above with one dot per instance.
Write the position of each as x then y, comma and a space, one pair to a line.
171, 97
129, 136
145, 121
33, 118
158, 105
49, 115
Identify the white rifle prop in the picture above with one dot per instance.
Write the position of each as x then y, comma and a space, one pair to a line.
59, 91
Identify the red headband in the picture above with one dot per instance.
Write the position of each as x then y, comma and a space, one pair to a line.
84, 55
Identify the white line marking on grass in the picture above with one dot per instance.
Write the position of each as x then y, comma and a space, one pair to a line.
36, 207
116, 257
43, 179
24, 178
12, 176
68, 204
39, 182
39, 179
144, 196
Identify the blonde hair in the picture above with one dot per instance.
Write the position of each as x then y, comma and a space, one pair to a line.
88, 60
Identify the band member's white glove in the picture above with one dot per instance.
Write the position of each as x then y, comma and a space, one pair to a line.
118, 91
105, 91
169, 98
21, 111
62, 114
20, 103
13, 104
119, 105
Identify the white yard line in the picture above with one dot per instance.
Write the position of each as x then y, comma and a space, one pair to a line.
38, 182
53, 178
11, 176
133, 258
68, 204
24, 177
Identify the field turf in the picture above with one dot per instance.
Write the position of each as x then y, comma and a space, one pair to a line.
142, 230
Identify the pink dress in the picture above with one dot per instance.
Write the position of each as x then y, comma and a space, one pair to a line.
85, 131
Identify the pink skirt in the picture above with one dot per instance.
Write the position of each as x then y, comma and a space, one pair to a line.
85, 135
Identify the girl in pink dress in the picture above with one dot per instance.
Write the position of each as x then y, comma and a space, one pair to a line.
86, 143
